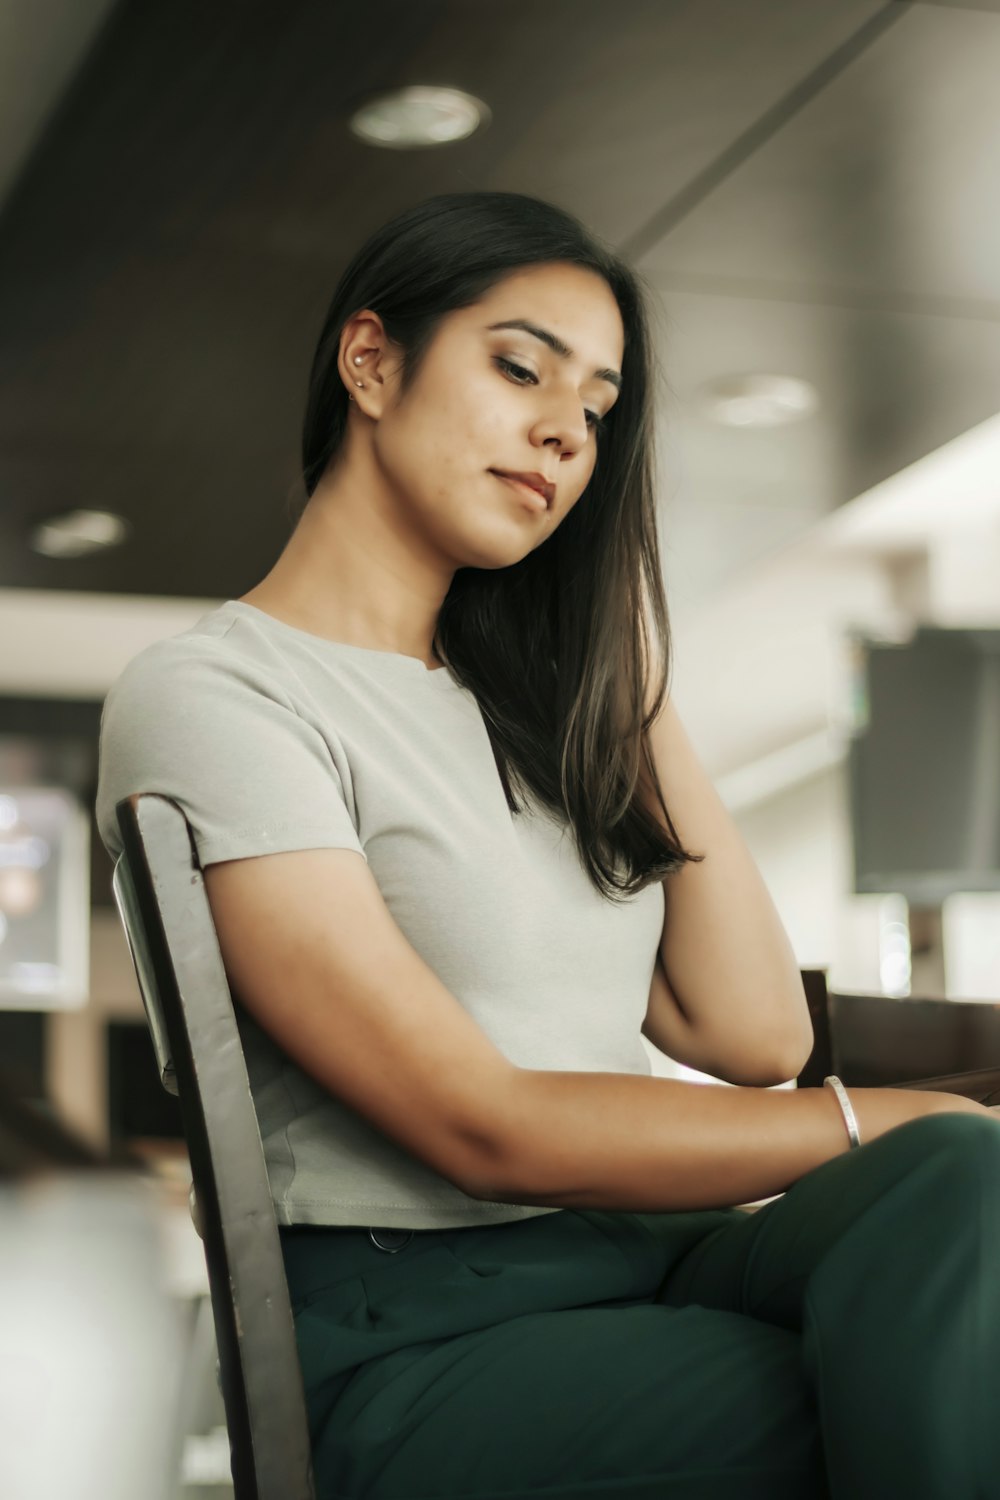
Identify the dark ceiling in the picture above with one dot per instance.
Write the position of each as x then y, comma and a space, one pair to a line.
803, 182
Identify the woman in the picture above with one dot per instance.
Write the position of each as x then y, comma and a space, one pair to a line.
515, 1256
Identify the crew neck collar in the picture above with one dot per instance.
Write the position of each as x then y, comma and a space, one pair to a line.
364, 654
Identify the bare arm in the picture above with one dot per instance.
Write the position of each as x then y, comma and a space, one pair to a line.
647, 1144
733, 982
671, 1032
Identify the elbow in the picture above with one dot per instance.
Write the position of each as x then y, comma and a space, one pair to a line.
775, 1077
509, 1160
789, 1061
483, 1151
779, 1063
791, 1046
489, 1183
497, 1173
476, 1173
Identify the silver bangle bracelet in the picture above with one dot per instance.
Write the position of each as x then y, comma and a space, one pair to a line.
847, 1108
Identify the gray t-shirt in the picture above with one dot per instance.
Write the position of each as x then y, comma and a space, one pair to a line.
272, 739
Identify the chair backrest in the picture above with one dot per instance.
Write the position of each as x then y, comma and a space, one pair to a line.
820, 1062
160, 892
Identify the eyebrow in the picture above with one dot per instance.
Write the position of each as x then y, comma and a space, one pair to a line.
557, 345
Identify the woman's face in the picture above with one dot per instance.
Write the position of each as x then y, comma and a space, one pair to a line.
489, 398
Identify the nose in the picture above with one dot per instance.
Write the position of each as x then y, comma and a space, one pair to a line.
564, 425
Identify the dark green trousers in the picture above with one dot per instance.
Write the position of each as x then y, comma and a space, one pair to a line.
843, 1341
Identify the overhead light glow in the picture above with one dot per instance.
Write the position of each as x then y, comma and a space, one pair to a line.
77, 532
757, 400
418, 116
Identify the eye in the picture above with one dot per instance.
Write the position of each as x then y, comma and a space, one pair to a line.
515, 372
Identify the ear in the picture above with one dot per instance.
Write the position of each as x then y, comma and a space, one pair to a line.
365, 362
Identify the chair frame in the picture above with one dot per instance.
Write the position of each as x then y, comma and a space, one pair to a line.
160, 892
981, 1084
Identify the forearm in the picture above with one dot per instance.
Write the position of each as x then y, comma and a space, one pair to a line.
730, 965
647, 1144
651, 1145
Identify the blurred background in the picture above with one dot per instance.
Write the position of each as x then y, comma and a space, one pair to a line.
810, 188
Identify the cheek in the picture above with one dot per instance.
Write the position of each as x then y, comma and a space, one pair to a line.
461, 432
475, 405
427, 452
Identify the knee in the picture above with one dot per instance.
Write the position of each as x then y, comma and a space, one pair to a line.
966, 1136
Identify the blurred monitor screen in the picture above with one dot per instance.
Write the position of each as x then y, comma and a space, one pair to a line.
924, 764
44, 899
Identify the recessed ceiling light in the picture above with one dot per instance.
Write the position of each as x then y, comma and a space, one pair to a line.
418, 116
757, 400
78, 532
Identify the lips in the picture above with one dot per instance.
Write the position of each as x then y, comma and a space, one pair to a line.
538, 482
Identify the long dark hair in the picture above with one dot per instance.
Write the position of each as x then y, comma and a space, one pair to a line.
555, 647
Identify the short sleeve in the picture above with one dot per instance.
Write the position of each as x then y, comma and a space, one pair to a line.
226, 743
